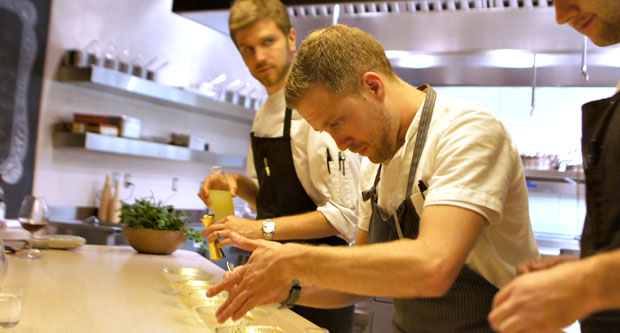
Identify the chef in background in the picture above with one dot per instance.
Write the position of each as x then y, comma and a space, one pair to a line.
303, 187
553, 292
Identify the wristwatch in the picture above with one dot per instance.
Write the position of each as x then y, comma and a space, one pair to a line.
293, 295
269, 228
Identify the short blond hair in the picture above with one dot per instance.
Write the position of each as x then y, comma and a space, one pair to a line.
244, 13
336, 57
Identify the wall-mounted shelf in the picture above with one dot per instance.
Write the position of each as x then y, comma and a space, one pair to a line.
129, 85
132, 147
569, 176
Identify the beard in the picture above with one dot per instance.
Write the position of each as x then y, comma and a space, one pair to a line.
384, 136
610, 34
278, 76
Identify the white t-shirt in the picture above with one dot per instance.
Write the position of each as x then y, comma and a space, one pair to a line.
470, 161
335, 193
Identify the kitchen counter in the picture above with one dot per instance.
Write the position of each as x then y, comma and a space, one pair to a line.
112, 289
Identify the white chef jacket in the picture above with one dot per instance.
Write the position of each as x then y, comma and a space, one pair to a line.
335, 194
470, 161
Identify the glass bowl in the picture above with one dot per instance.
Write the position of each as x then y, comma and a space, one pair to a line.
186, 273
206, 315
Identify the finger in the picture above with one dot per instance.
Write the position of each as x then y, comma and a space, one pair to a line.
523, 268
514, 324
501, 296
247, 306
228, 282
204, 198
204, 192
223, 243
232, 182
236, 298
244, 243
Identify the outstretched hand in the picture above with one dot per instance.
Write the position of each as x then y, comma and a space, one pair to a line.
262, 280
541, 301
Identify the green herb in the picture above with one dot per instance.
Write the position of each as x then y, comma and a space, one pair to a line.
146, 214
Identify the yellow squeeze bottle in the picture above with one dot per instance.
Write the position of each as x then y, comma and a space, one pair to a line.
215, 253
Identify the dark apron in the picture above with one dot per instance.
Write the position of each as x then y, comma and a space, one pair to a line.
468, 302
601, 231
281, 194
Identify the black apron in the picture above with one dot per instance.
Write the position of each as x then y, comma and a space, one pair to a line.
468, 302
281, 194
601, 231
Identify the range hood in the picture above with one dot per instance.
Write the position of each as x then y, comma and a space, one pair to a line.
456, 42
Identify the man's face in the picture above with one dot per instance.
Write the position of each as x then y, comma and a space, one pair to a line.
267, 52
357, 123
597, 19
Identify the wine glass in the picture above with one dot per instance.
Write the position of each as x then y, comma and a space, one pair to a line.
32, 216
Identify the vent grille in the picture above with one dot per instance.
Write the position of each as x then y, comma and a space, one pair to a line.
388, 7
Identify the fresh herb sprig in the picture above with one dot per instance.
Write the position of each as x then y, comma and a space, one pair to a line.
146, 214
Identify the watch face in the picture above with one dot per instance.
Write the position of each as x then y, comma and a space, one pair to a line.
268, 226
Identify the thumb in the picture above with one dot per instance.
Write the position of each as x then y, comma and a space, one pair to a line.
244, 243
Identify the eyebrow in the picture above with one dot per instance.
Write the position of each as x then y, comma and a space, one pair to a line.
329, 120
260, 39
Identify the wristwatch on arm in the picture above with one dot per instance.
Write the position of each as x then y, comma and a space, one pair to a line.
293, 295
269, 228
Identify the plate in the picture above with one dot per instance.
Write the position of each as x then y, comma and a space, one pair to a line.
58, 241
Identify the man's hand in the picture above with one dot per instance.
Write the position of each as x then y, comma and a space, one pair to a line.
251, 229
543, 263
542, 301
262, 280
203, 194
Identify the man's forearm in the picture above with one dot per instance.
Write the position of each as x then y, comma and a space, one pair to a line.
602, 279
318, 297
247, 190
394, 269
424, 267
309, 225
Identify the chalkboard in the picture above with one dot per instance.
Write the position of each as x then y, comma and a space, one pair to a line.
23, 37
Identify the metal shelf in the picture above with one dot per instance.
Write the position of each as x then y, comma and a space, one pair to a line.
114, 81
569, 176
133, 147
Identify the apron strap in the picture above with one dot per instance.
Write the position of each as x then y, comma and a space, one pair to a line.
372, 193
425, 121
287, 123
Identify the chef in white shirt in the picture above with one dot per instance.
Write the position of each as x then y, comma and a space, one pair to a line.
304, 189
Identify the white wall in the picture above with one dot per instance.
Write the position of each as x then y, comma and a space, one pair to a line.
554, 128
195, 54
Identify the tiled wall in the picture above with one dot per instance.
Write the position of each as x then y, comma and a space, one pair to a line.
71, 177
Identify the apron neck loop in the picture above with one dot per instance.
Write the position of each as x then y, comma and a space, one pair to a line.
287, 123
425, 121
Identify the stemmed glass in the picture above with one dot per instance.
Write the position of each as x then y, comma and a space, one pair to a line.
33, 216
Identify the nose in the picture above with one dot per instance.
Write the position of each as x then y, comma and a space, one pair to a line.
565, 11
260, 55
341, 141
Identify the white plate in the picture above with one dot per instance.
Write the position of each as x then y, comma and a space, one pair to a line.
58, 241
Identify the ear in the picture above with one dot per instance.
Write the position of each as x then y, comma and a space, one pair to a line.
292, 40
373, 84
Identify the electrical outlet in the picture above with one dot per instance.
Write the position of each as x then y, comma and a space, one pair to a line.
115, 177
127, 180
175, 184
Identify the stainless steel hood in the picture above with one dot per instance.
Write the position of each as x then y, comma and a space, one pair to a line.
462, 42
